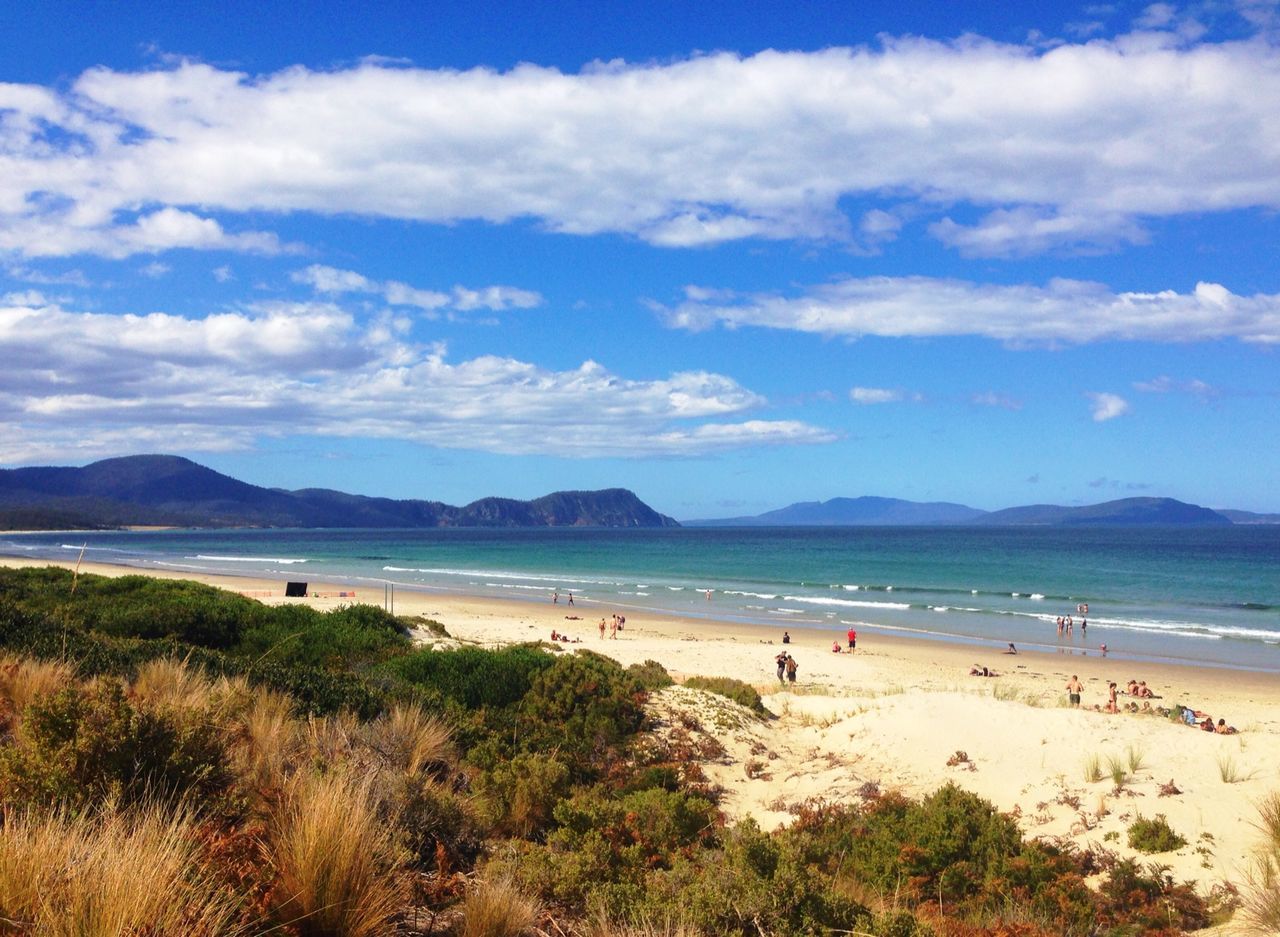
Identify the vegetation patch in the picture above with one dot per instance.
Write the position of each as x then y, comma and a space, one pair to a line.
1154, 835
744, 694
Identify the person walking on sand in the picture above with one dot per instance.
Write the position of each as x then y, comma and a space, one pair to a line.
613, 629
601, 629
853, 639
570, 598
1073, 690
792, 667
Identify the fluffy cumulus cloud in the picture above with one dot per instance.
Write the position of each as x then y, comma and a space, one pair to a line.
460, 298
1061, 312
1104, 406
1070, 145
80, 385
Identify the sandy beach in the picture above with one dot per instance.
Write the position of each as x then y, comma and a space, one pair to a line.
905, 714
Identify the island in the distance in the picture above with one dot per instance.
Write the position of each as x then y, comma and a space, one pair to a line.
895, 512
166, 490
170, 491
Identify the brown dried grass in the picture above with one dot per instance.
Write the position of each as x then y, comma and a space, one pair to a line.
109, 874
337, 864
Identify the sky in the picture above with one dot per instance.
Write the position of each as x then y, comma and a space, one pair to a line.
730, 256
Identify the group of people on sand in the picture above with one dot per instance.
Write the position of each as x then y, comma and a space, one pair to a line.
787, 666
560, 638
852, 637
1203, 721
615, 624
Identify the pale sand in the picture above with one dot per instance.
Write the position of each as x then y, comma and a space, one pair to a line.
895, 711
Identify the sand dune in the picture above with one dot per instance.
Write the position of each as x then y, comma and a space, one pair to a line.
904, 714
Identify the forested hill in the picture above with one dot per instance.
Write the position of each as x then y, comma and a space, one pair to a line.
170, 490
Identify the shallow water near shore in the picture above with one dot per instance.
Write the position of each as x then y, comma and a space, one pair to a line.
1205, 595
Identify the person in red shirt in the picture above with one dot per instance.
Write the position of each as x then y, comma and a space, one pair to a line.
853, 639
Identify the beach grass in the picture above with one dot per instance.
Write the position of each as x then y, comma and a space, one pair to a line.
1093, 767
1136, 757
112, 873
1118, 771
498, 908
334, 858
1261, 899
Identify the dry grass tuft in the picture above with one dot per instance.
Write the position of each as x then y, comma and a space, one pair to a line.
1261, 904
498, 909
264, 730
336, 862
410, 738
23, 679
170, 684
111, 874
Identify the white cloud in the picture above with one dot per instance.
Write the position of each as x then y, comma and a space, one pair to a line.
1168, 385
1105, 406
992, 399
874, 395
85, 384
155, 270
1062, 312
1070, 145
223, 274
463, 299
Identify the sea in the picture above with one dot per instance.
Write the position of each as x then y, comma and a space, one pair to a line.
1207, 596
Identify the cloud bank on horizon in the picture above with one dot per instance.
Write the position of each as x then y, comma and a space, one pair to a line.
181, 271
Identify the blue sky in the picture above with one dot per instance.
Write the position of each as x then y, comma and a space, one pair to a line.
730, 258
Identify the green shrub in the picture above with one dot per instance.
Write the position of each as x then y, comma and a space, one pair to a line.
585, 707
84, 745
1137, 901
518, 796
346, 637
651, 675
437, 826
744, 694
135, 606
474, 677
40, 635
1154, 835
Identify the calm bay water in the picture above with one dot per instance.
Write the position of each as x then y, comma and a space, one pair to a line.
1208, 595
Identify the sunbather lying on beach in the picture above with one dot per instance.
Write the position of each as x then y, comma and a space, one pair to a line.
1223, 729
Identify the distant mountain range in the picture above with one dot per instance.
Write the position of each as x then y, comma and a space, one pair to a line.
869, 511
164, 490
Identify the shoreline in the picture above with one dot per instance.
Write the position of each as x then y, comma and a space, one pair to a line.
899, 712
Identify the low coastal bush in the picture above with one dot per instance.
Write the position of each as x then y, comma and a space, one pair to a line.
651, 675
473, 677
586, 708
347, 637
744, 694
87, 745
1154, 835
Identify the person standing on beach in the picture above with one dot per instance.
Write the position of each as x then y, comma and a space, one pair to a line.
792, 667
570, 598
613, 629
781, 661
601, 629
1111, 698
853, 639
1073, 690
555, 597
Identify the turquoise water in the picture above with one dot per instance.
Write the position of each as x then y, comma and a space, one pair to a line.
1207, 595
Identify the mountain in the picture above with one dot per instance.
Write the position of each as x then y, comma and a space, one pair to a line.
1126, 512
883, 512
853, 512
1249, 517
169, 490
